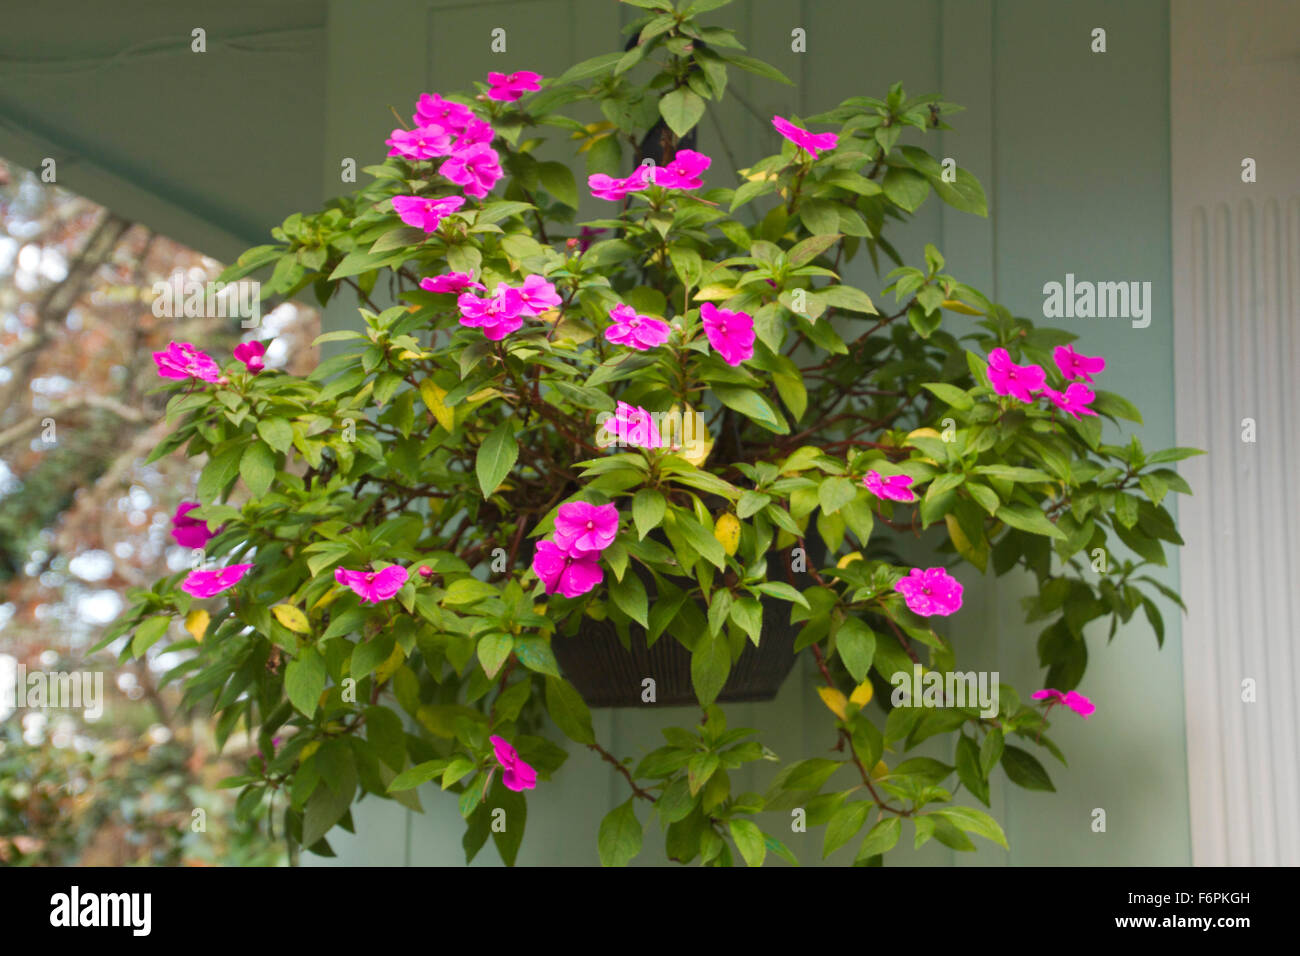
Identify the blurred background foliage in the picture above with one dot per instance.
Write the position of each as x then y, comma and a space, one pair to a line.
82, 519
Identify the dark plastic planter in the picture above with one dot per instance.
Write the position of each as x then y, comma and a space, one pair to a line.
609, 675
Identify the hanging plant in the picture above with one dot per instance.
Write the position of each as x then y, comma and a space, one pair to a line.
558, 463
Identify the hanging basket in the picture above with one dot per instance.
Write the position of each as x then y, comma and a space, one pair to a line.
607, 674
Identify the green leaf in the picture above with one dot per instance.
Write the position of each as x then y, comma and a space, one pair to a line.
905, 188
701, 539
809, 249
1172, 454
1010, 473
881, 838
847, 297
844, 825
619, 840
219, 472
710, 665
534, 652
557, 179
493, 649
648, 507
991, 751
964, 195
835, 492
856, 645
681, 110
1024, 770
276, 432
257, 468
1030, 519
304, 679
749, 841
975, 821
514, 817
753, 405
951, 394
1116, 406
469, 591
496, 456
629, 596
784, 591
569, 711
149, 633
413, 777
968, 769
755, 66
700, 768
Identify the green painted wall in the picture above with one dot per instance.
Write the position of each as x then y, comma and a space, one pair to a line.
1073, 149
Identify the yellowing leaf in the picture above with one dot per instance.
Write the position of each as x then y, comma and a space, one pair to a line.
196, 622
848, 559
979, 558
483, 394
408, 355
952, 305
924, 433
308, 749
330, 596
433, 396
862, 694
881, 769
834, 700
292, 618
727, 530
687, 435
389, 667
714, 292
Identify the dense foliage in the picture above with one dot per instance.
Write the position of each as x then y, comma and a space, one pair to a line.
399, 530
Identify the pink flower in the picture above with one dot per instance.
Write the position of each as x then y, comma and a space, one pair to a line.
451, 282
1075, 365
477, 132
205, 584
812, 142
930, 592
508, 88
373, 586
634, 426
1073, 400
183, 360
1074, 700
731, 333
250, 353
424, 213
538, 295
570, 576
582, 529
640, 332
497, 316
189, 532
1008, 378
515, 774
609, 188
684, 172
477, 168
432, 110
895, 487
423, 142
